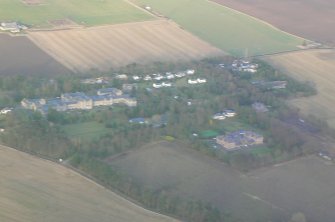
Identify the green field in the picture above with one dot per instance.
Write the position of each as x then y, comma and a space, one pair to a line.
85, 131
82, 12
225, 28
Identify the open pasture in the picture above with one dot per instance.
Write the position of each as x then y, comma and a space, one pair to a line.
87, 131
310, 19
269, 194
118, 45
36, 190
39, 13
229, 30
315, 66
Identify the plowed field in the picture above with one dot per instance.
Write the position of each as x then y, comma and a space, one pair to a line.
118, 45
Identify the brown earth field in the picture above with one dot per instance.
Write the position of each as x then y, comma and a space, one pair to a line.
318, 67
311, 19
33, 189
18, 55
118, 45
270, 194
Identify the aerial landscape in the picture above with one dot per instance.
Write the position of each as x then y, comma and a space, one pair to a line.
149, 110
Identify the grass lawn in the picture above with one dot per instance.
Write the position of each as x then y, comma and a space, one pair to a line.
224, 28
85, 131
83, 12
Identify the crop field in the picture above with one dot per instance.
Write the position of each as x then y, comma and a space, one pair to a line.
36, 190
229, 30
18, 55
41, 13
317, 67
269, 194
307, 18
118, 45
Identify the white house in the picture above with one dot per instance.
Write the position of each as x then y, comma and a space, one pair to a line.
229, 113
6, 110
190, 71
180, 74
159, 77
219, 116
201, 80
192, 82
251, 70
166, 84
121, 76
156, 86
147, 78
169, 76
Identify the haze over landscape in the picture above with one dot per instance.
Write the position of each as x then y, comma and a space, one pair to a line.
149, 110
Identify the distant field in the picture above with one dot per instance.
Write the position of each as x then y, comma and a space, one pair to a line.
82, 12
307, 18
18, 55
316, 66
35, 190
269, 194
227, 29
118, 45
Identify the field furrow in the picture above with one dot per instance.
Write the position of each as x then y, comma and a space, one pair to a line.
118, 45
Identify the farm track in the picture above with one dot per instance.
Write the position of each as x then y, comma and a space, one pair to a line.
118, 45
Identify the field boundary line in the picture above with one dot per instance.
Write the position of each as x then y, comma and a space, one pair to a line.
291, 51
96, 26
140, 8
